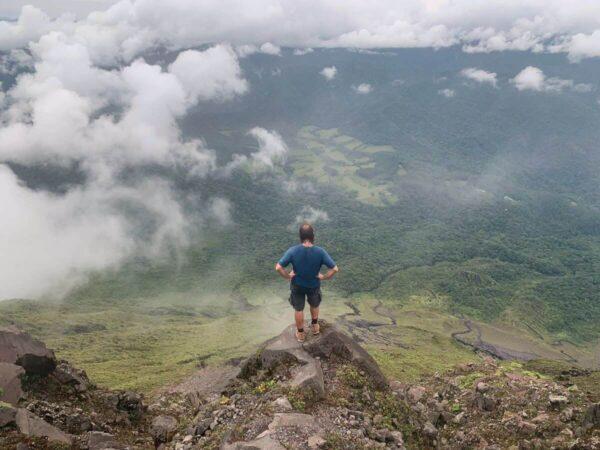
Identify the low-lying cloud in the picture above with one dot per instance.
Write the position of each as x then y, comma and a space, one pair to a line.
533, 79
480, 76
329, 72
363, 88
57, 115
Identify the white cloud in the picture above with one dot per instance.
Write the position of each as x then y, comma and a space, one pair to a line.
533, 79
272, 150
329, 72
480, 76
303, 51
580, 46
363, 88
57, 115
50, 242
213, 74
130, 26
270, 49
310, 215
448, 93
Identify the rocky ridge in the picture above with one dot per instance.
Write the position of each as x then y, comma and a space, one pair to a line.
325, 393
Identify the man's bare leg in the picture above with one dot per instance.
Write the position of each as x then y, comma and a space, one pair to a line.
314, 314
299, 318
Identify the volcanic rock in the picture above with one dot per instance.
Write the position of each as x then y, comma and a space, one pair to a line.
10, 382
31, 425
17, 347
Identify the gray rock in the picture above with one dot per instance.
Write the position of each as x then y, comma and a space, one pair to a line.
429, 430
332, 341
202, 426
132, 403
31, 425
282, 404
592, 416
557, 401
309, 376
17, 347
285, 349
10, 382
459, 418
485, 403
315, 442
284, 420
482, 387
262, 443
8, 414
163, 428
415, 394
100, 441
68, 375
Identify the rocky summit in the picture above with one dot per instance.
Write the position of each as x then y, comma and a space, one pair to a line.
325, 393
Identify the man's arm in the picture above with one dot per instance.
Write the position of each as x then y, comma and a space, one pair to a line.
284, 273
329, 262
329, 274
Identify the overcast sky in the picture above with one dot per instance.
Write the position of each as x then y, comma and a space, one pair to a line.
12, 8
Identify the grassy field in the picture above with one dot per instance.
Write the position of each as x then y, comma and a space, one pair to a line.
327, 156
148, 343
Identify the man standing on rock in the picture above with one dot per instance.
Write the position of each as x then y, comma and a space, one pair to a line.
305, 277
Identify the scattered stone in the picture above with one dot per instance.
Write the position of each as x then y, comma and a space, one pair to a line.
429, 430
315, 442
485, 403
163, 428
31, 425
416, 393
68, 375
201, 427
592, 416
132, 403
282, 404
99, 441
7, 414
459, 418
482, 387
283, 420
17, 347
262, 443
10, 383
557, 401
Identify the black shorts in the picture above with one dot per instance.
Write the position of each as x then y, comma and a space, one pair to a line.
299, 294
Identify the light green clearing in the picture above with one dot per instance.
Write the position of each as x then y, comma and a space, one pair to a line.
328, 157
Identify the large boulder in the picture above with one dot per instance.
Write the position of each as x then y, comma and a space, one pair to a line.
17, 347
163, 428
70, 376
10, 383
8, 414
333, 342
285, 349
31, 425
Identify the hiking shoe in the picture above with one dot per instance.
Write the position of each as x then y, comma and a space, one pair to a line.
300, 336
316, 329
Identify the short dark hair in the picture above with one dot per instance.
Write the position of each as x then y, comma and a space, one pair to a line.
307, 233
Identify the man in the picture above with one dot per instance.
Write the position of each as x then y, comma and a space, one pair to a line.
305, 277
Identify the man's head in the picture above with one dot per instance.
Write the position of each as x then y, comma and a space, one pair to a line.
307, 233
